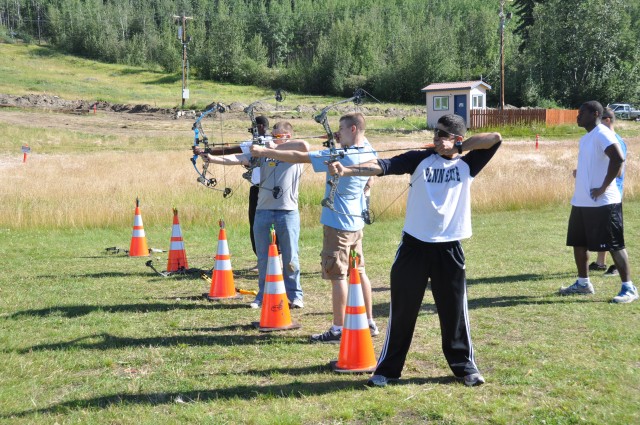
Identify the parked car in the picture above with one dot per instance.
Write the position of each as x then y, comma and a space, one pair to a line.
625, 111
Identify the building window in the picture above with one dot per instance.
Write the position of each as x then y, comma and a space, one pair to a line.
478, 101
441, 103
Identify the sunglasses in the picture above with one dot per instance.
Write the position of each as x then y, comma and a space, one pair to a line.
282, 136
443, 133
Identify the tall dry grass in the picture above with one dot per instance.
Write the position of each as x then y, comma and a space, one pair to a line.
99, 189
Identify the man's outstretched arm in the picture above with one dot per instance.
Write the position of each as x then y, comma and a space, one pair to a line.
225, 159
293, 156
369, 168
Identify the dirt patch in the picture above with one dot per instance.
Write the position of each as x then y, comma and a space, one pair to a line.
52, 102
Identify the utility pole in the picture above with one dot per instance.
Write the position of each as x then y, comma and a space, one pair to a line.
184, 40
503, 21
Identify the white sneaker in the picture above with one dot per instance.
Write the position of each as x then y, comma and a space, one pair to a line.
380, 381
576, 288
373, 328
297, 303
255, 304
626, 295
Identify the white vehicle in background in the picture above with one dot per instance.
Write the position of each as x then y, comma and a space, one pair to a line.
624, 111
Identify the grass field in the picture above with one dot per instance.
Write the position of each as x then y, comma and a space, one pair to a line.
91, 337
96, 338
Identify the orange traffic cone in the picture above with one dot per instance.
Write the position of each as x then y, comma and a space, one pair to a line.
275, 314
356, 347
222, 286
138, 247
177, 255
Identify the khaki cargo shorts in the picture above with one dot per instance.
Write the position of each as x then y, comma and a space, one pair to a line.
336, 252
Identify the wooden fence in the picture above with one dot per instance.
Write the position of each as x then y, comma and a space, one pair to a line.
481, 118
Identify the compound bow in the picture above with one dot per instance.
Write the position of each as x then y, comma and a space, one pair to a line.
200, 137
256, 137
335, 155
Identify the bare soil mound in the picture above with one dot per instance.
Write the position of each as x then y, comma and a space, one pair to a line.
82, 106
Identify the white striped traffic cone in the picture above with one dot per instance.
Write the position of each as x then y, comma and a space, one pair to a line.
177, 254
222, 285
275, 314
138, 247
356, 348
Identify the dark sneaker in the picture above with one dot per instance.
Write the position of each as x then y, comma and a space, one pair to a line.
576, 288
611, 271
473, 380
597, 267
329, 337
380, 381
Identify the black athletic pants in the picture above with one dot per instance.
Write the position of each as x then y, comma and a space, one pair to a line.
253, 204
416, 262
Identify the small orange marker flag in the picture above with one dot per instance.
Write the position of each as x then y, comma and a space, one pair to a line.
25, 151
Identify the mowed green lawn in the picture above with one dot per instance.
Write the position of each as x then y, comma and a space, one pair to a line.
91, 337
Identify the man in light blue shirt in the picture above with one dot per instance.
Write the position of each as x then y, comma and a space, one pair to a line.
342, 216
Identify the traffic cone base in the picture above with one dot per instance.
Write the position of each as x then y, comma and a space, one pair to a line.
293, 325
335, 368
210, 298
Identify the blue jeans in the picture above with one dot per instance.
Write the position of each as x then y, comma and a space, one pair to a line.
287, 226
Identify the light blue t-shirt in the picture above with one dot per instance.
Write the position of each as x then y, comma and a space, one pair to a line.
620, 179
349, 198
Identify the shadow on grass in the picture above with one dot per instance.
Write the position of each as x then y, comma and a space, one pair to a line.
250, 274
512, 301
106, 341
167, 79
381, 289
45, 52
243, 392
72, 311
294, 390
131, 71
102, 275
562, 277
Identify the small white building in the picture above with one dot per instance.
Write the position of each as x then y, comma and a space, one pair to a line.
455, 98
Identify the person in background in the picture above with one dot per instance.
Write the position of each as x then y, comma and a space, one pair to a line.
278, 207
262, 123
608, 119
595, 222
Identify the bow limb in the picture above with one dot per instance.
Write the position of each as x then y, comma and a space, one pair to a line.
199, 137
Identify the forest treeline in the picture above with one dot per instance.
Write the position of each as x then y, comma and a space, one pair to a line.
557, 52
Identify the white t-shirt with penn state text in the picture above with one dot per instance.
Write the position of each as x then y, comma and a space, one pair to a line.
439, 201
